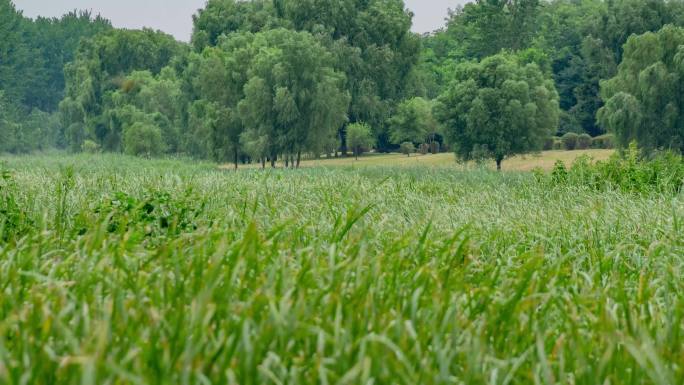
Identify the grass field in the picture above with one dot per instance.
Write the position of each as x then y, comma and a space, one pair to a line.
544, 160
115, 270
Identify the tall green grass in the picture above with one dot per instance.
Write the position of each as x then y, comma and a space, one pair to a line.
122, 271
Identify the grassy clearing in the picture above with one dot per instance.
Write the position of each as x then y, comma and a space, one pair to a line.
122, 271
544, 160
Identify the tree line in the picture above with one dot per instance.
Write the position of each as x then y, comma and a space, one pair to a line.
278, 80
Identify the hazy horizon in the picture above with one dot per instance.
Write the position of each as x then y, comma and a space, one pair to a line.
175, 16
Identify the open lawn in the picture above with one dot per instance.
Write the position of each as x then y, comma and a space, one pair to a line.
115, 270
545, 160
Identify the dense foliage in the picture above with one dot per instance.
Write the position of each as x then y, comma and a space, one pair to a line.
33, 54
630, 172
264, 80
579, 42
644, 100
359, 138
498, 108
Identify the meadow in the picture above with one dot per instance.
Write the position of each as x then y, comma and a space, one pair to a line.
544, 160
116, 270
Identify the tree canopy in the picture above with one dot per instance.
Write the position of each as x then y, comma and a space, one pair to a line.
644, 100
267, 80
359, 138
413, 122
498, 108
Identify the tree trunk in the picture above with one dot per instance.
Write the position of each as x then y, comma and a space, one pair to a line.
263, 163
498, 163
299, 158
235, 159
273, 161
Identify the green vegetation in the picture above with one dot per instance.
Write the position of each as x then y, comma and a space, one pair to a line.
644, 101
413, 121
629, 172
359, 138
264, 81
33, 54
407, 148
523, 101
169, 270
116, 270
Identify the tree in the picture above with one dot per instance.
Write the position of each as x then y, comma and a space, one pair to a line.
223, 17
99, 73
34, 53
586, 38
142, 139
413, 122
145, 98
293, 96
359, 138
498, 108
55, 42
407, 148
644, 100
486, 27
370, 40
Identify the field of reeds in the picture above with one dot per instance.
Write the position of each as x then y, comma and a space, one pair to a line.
115, 270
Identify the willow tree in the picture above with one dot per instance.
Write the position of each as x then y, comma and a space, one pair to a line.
370, 40
644, 101
100, 70
498, 108
293, 97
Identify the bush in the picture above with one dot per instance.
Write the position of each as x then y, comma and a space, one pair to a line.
606, 141
407, 148
548, 143
424, 148
360, 138
143, 139
630, 172
583, 142
570, 141
557, 143
90, 147
435, 148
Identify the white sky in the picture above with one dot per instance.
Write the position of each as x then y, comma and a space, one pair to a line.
175, 16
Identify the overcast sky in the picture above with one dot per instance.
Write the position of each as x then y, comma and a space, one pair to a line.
175, 16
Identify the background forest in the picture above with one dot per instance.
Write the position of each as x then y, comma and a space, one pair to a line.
269, 80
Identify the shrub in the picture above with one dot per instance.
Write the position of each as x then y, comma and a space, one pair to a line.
143, 139
570, 141
606, 141
629, 172
90, 147
424, 148
435, 147
360, 138
407, 148
548, 143
583, 141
